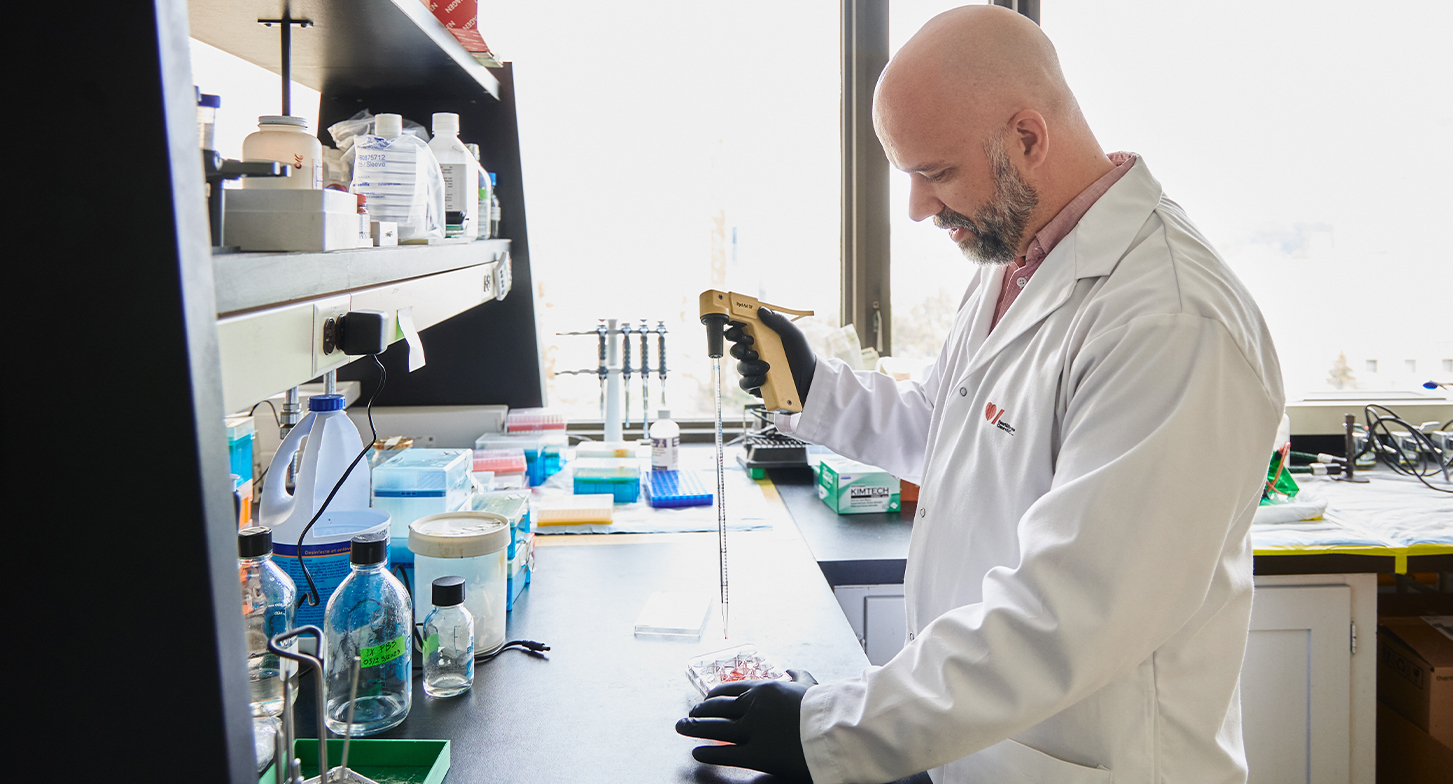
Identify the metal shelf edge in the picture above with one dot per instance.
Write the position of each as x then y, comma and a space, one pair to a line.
251, 281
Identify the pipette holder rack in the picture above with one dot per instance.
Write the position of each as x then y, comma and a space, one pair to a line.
615, 371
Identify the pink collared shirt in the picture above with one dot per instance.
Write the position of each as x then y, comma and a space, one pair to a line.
1018, 272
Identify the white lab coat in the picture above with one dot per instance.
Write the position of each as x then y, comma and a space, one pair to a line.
1079, 579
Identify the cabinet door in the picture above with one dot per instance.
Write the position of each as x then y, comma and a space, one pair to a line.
1295, 685
885, 623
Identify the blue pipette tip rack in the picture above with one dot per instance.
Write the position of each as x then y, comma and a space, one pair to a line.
675, 489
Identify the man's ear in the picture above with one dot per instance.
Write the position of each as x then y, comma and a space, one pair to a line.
1030, 134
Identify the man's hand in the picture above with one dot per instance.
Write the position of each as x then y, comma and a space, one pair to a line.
800, 359
760, 720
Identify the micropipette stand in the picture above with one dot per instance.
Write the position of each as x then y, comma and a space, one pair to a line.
613, 429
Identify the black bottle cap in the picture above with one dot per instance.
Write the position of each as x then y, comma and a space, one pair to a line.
448, 591
370, 548
254, 542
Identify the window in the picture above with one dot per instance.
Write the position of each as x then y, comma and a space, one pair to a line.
669, 148
929, 273
1274, 125
1270, 124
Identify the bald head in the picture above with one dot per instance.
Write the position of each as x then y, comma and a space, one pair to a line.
973, 80
980, 64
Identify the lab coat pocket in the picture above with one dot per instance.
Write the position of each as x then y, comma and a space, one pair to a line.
1010, 762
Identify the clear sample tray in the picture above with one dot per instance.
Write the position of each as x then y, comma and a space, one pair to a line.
739, 663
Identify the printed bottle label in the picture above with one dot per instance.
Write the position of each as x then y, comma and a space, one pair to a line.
664, 453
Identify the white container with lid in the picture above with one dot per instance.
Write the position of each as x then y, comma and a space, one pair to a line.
287, 141
461, 177
471, 545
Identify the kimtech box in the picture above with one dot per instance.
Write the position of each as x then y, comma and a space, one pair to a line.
1415, 671
850, 487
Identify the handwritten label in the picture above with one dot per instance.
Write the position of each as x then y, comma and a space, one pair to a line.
382, 654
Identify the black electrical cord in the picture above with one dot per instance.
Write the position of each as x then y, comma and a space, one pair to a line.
528, 646
312, 595
1382, 443
275, 419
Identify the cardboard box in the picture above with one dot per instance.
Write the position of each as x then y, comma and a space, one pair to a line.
1415, 671
850, 487
1406, 754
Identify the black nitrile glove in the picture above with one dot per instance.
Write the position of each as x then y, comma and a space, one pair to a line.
760, 719
800, 359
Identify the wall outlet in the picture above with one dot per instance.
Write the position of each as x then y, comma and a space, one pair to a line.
326, 353
503, 276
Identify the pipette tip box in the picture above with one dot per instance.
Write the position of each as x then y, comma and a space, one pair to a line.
529, 420
573, 509
619, 477
675, 489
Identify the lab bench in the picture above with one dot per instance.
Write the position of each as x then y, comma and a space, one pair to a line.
1309, 679
601, 705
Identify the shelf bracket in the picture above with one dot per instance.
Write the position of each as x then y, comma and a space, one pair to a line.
287, 21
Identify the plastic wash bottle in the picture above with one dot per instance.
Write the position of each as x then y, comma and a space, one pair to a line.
461, 177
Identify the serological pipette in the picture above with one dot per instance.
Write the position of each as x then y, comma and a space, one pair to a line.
715, 347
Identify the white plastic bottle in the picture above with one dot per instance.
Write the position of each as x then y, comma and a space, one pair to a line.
401, 178
332, 444
461, 177
287, 141
665, 442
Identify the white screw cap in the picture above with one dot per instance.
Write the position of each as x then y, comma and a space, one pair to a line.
389, 126
446, 122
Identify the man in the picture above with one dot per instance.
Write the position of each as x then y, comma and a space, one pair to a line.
1090, 443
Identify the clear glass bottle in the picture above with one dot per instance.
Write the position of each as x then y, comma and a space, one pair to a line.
448, 641
268, 602
369, 617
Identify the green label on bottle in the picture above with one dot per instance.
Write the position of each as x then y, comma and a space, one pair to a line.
383, 654
431, 644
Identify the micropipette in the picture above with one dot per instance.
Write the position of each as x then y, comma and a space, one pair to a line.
625, 330
661, 355
645, 381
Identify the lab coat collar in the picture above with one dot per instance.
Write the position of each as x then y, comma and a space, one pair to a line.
1091, 250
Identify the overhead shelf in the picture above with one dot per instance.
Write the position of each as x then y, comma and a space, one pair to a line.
352, 46
249, 281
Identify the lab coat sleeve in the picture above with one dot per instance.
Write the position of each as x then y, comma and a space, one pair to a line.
868, 416
1164, 447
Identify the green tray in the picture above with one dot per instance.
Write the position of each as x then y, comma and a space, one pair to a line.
384, 761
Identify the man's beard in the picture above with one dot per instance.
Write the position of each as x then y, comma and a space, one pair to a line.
998, 226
